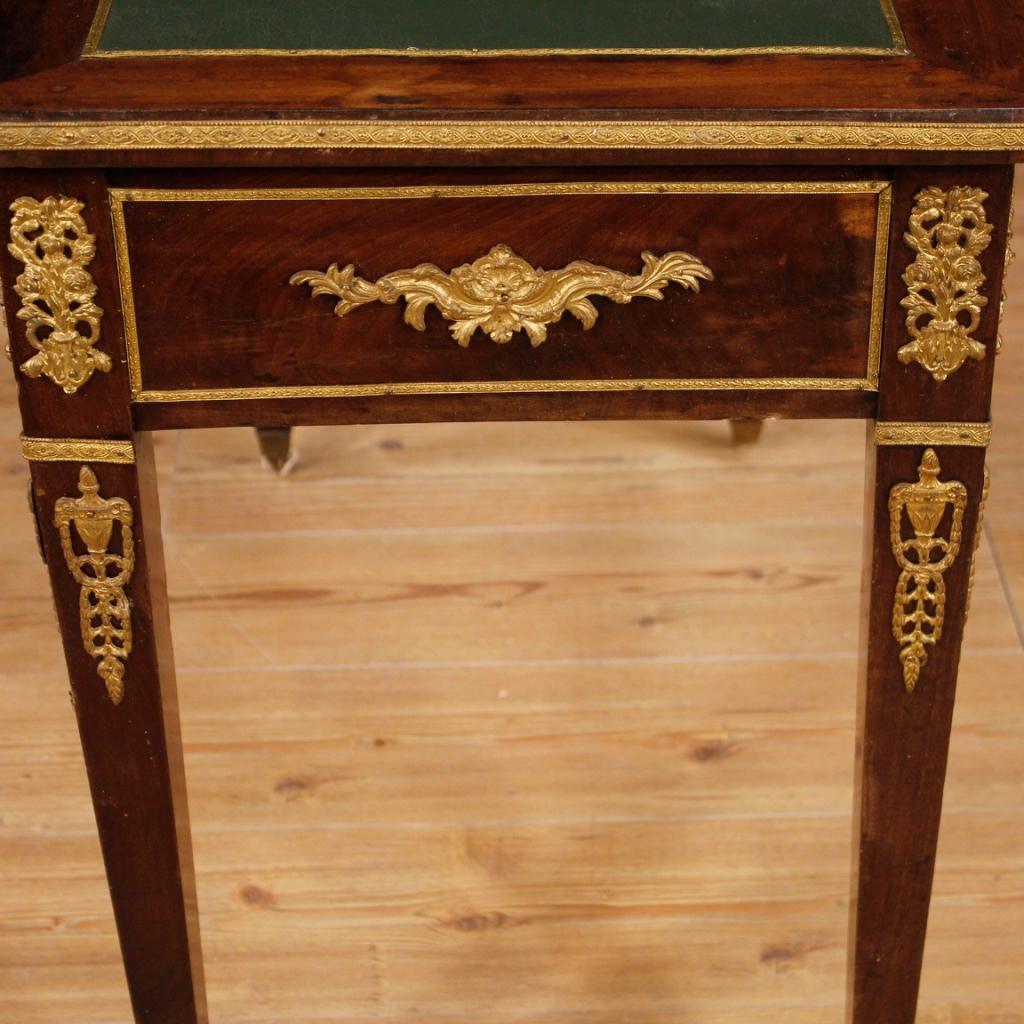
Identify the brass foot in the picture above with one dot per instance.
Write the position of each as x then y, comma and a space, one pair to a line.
746, 430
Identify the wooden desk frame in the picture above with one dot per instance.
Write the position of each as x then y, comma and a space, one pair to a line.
928, 446
940, 127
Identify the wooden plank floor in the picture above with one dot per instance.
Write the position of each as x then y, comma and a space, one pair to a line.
518, 724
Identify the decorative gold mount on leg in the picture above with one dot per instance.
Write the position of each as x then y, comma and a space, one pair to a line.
948, 231
71, 449
276, 448
979, 532
920, 606
746, 430
969, 435
501, 293
62, 322
1008, 261
104, 609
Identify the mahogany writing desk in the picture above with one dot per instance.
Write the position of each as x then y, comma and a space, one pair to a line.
310, 212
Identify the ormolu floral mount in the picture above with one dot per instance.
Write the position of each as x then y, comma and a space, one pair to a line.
501, 293
62, 322
948, 231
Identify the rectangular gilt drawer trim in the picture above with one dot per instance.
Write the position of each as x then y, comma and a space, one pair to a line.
868, 382
503, 387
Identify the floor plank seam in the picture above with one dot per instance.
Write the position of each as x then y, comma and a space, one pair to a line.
1004, 584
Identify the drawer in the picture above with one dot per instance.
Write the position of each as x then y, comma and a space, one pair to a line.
498, 288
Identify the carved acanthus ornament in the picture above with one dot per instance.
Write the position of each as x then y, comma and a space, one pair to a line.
62, 322
948, 231
102, 575
501, 293
920, 606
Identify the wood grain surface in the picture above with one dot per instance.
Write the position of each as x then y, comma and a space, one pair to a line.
534, 723
967, 58
801, 281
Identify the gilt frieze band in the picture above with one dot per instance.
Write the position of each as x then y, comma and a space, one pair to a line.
68, 449
964, 435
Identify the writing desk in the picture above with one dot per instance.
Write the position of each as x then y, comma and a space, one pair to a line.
279, 214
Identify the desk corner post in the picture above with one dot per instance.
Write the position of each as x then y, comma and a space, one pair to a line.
100, 526
926, 486
922, 524
94, 495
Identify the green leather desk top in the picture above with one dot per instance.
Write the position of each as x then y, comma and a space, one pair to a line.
439, 26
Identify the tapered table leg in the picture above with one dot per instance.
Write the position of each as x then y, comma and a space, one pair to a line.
100, 527
276, 448
922, 516
746, 430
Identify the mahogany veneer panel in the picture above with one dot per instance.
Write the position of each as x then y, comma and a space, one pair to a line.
793, 296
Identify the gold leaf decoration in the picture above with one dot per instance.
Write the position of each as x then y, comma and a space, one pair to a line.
62, 322
502, 294
1008, 261
948, 231
920, 606
979, 532
969, 435
927, 136
102, 575
69, 449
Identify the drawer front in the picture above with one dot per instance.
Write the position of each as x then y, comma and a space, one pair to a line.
562, 286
